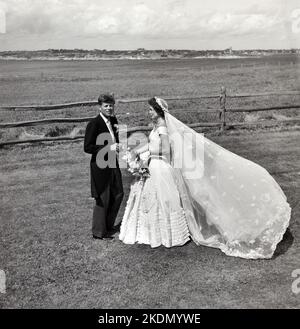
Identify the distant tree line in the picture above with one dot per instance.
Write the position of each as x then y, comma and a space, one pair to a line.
141, 52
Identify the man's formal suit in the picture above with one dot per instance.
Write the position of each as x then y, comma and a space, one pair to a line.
106, 183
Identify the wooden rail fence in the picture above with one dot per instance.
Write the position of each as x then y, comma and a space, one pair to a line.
222, 110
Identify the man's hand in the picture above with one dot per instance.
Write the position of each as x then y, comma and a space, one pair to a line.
115, 147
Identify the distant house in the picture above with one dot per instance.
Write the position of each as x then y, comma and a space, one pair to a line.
228, 51
141, 51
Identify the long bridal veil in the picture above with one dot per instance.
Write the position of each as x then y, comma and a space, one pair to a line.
230, 203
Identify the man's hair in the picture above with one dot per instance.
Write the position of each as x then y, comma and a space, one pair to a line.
106, 98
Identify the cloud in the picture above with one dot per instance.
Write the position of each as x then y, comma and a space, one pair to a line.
174, 18
147, 19
241, 24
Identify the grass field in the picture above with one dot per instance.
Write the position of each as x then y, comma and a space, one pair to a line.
51, 261
48, 82
47, 251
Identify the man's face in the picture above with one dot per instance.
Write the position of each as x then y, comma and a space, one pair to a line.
107, 109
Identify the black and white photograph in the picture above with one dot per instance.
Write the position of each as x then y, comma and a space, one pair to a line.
149, 156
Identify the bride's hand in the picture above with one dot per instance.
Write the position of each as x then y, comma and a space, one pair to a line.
132, 152
135, 155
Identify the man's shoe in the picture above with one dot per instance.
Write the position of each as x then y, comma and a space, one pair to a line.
97, 237
114, 230
108, 237
105, 237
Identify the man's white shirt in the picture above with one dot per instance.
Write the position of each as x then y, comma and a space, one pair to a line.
108, 124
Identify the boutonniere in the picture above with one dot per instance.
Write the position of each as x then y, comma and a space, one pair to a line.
116, 126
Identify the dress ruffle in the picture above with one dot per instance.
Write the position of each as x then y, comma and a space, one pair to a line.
146, 222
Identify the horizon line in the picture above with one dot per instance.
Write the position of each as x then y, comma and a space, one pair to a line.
145, 49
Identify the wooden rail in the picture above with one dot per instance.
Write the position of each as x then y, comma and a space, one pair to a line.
282, 107
86, 119
42, 122
68, 138
137, 100
222, 124
47, 107
147, 128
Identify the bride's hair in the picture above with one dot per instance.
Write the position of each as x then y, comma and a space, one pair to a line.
158, 109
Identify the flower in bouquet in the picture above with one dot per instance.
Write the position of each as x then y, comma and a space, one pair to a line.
137, 165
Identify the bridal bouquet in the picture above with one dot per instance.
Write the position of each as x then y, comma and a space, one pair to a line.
137, 165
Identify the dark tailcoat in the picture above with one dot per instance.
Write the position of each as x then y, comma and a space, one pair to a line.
100, 177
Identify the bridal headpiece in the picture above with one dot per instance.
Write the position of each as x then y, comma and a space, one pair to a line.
162, 103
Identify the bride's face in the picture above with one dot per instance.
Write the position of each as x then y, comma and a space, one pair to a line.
152, 113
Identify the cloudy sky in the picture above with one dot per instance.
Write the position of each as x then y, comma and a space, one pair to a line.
151, 24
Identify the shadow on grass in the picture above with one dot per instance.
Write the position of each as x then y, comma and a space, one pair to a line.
284, 245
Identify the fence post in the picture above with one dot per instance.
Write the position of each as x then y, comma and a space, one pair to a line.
222, 108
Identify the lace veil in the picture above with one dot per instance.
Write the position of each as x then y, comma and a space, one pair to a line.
230, 203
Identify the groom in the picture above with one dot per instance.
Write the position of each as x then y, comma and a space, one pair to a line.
102, 142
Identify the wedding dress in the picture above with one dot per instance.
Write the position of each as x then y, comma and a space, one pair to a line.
218, 198
153, 214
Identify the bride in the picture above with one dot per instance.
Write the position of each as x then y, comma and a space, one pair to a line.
198, 190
